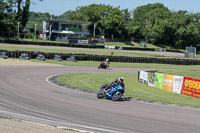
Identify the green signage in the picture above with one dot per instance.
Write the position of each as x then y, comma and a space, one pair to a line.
159, 80
74, 29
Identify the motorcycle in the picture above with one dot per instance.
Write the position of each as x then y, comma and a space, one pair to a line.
103, 65
113, 93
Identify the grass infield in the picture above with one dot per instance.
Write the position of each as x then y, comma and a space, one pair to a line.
133, 87
120, 64
74, 51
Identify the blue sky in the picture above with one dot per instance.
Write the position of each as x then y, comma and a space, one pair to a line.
58, 7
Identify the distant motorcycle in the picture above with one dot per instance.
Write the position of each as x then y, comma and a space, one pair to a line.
103, 65
114, 93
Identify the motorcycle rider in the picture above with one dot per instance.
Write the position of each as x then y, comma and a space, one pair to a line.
105, 62
116, 82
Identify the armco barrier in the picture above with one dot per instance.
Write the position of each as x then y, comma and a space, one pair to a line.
87, 57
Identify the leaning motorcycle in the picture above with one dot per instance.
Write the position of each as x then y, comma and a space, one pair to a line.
113, 93
103, 65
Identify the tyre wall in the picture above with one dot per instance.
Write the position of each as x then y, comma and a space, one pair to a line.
88, 57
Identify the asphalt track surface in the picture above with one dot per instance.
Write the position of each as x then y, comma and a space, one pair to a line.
26, 94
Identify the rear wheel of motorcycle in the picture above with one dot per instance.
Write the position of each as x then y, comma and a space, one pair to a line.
100, 95
116, 96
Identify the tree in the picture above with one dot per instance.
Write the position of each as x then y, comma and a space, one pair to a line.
7, 17
94, 13
109, 20
150, 20
22, 12
114, 23
37, 18
187, 29
12, 12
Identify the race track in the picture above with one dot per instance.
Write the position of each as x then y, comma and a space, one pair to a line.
25, 94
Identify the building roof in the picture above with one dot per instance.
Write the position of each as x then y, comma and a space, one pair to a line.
69, 21
71, 32
79, 32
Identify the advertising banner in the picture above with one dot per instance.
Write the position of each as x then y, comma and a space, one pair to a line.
109, 47
151, 79
143, 77
159, 80
196, 88
82, 41
168, 82
191, 87
177, 84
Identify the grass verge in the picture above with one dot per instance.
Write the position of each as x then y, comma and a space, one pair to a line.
74, 51
133, 87
120, 64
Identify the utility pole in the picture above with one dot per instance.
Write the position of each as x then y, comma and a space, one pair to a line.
35, 31
94, 31
50, 33
18, 30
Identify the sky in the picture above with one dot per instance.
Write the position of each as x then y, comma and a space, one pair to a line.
58, 7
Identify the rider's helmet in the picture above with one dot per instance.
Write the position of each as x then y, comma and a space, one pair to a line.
107, 59
121, 79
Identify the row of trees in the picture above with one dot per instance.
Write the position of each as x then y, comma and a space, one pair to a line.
110, 21
177, 29
12, 12
153, 22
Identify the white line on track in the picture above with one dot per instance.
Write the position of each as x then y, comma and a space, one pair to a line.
47, 80
59, 123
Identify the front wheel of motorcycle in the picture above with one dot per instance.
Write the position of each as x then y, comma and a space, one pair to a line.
116, 96
100, 95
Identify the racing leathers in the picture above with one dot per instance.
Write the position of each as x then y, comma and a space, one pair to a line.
105, 62
116, 82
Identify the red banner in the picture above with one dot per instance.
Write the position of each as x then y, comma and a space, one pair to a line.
191, 87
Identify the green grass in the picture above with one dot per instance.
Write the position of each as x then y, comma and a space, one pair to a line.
133, 87
187, 73
129, 44
74, 51
134, 44
36, 40
120, 64
122, 44
46, 50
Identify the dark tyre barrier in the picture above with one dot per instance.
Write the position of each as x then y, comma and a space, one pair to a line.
87, 57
